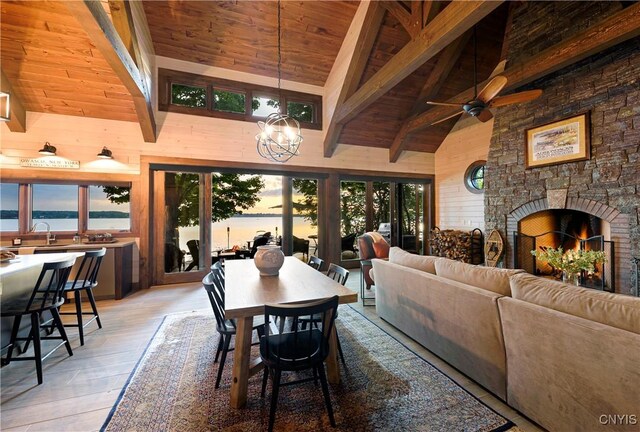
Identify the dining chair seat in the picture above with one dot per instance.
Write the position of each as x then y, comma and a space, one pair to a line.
286, 352
22, 306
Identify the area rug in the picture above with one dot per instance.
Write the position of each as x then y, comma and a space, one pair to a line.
384, 387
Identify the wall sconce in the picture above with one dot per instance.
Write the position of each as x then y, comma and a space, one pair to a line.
105, 153
48, 150
5, 108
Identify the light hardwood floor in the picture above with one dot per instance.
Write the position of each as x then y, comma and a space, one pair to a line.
78, 392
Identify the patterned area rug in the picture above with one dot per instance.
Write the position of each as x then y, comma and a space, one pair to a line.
385, 387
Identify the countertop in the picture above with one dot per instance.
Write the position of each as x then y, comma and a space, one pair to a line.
65, 245
23, 262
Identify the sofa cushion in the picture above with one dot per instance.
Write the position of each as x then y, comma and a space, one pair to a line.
616, 310
418, 262
489, 278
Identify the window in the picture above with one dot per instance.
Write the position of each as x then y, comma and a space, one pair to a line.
189, 96
229, 101
474, 177
301, 111
9, 207
262, 106
56, 205
201, 95
109, 208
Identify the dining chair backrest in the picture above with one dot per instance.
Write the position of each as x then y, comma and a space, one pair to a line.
315, 262
338, 274
50, 284
214, 285
87, 275
298, 349
217, 266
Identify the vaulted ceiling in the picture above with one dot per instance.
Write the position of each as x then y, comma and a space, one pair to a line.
55, 64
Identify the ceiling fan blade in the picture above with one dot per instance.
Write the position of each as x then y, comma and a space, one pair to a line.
492, 89
485, 116
444, 104
524, 96
500, 67
447, 118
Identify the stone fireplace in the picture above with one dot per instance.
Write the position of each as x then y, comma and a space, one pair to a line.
570, 224
607, 186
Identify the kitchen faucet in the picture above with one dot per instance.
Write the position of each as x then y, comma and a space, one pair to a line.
35, 225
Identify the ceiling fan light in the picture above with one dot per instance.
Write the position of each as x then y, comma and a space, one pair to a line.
105, 153
48, 150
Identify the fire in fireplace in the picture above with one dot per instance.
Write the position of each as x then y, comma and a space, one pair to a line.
569, 229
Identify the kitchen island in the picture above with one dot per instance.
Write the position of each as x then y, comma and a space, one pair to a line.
118, 273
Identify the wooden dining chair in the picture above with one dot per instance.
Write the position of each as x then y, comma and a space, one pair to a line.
298, 349
214, 285
86, 280
315, 262
46, 297
340, 275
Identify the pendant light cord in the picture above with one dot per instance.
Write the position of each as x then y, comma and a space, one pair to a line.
279, 60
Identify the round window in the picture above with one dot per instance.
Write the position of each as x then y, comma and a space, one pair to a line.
474, 177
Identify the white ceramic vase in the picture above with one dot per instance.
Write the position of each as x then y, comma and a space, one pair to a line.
269, 259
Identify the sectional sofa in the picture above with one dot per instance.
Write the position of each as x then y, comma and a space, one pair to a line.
566, 357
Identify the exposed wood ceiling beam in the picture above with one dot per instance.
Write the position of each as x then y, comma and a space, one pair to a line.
407, 19
430, 9
123, 22
362, 49
17, 114
447, 26
618, 28
95, 21
432, 85
446, 61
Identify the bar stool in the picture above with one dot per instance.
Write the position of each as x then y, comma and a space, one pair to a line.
85, 280
46, 296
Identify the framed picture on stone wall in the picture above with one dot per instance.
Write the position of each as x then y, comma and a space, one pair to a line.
565, 140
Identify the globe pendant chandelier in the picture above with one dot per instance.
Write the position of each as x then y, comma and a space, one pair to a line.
279, 138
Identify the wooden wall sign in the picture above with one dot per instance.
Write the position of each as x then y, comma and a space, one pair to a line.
493, 249
49, 163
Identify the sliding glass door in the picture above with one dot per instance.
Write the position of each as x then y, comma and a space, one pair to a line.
399, 211
180, 228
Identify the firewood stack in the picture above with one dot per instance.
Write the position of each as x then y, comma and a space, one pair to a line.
465, 246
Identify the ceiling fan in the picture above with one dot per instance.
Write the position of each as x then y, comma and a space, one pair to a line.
477, 107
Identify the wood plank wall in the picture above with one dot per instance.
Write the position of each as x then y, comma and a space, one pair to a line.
456, 207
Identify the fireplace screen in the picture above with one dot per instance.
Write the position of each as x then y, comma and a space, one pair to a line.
602, 278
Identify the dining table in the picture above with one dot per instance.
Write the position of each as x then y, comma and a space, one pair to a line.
246, 294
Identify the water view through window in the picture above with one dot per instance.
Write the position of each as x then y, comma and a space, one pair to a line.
56, 205
108, 210
245, 205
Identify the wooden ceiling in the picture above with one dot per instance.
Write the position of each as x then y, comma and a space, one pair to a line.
378, 125
56, 63
242, 35
53, 65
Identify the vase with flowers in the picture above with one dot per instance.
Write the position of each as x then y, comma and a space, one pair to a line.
571, 262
